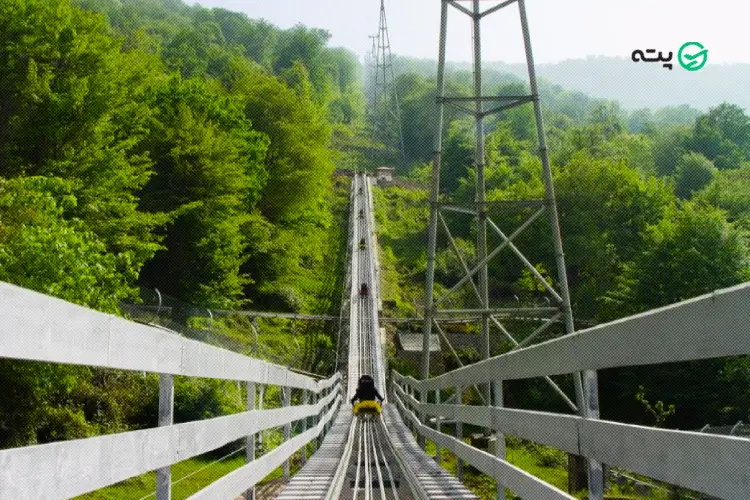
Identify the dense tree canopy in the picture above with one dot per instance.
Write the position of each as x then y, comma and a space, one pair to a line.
150, 143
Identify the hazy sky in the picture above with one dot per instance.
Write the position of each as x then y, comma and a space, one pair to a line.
560, 29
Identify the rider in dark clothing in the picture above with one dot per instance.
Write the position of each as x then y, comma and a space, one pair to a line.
366, 390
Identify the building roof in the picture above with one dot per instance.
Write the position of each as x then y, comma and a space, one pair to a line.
464, 340
412, 342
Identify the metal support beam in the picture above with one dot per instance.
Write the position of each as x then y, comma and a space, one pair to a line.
453, 208
461, 8
512, 104
484, 98
460, 257
434, 196
497, 311
586, 384
479, 164
545, 326
489, 257
166, 417
497, 7
517, 345
526, 262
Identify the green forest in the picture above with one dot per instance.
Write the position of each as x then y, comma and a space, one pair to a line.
151, 144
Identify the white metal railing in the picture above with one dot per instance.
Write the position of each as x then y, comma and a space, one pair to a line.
34, 326
710, 326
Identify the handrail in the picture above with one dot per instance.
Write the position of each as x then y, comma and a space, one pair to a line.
512, 477
713, 464
709, 326
248, 475
69, 468
38, 327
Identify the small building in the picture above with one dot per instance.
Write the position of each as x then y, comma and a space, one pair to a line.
384, 174
409, 347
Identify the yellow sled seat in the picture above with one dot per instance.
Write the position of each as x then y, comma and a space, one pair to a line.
367, 407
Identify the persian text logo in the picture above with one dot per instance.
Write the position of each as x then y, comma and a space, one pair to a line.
692, 56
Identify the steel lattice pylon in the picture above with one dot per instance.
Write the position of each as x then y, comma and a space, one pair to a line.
383, 106
585, 383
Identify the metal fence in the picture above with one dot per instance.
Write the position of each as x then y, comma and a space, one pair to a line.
240, 331
740, 429
711, 326
42, 328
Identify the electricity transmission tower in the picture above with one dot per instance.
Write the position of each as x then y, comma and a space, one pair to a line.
479, 106
383, 109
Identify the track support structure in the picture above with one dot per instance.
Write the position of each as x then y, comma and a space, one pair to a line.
480, 106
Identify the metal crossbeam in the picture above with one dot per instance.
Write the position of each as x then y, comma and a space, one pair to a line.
458, 254
489, 257
525, 261
517, 345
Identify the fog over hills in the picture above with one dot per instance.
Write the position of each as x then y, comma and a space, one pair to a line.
634, 85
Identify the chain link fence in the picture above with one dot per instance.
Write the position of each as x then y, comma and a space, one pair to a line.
297, 342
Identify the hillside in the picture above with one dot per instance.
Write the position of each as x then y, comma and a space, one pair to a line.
633, 85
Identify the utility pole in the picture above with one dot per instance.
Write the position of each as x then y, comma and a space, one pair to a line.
384, 109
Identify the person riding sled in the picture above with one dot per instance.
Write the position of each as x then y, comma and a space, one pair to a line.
366, 390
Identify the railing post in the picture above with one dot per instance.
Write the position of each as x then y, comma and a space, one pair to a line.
287, 395
411, 407
438, 427
497, 393
316, 421
420, 438
459, 434
250, 447
261, 398
166, 417
305, 401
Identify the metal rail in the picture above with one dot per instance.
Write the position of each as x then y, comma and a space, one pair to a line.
369, 458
